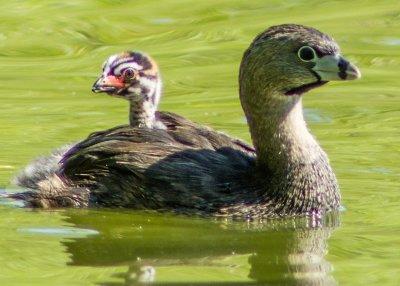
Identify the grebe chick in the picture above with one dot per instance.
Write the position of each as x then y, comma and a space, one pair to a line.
135, 77
130, 75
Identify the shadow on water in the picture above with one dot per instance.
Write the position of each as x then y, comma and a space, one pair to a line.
279, 252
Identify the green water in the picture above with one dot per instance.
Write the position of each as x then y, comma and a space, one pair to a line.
50, 54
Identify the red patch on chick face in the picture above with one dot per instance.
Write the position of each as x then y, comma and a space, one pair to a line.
113, 81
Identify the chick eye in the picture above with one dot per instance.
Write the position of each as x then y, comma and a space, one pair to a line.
306, 54
129, 73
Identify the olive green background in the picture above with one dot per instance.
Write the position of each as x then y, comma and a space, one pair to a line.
51, 52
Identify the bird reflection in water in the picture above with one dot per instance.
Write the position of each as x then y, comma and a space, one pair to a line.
280, 252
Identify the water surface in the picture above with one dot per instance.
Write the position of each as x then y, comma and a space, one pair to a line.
51, 52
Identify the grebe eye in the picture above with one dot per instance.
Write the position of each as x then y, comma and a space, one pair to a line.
129, 73
307, 54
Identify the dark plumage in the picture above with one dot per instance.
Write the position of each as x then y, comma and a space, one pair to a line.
189, 168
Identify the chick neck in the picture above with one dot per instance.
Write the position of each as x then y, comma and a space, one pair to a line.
142, 108
141, 113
